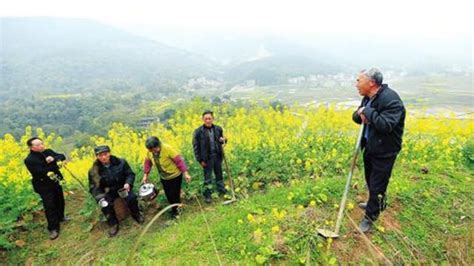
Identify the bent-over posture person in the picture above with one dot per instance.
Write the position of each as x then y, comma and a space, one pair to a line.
171, 167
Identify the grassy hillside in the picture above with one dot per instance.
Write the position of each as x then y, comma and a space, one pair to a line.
278, 226
289, 166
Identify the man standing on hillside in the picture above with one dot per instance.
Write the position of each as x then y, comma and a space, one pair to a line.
42, 164
208, 150
383, 114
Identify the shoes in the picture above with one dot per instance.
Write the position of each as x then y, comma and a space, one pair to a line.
208, 199
65, 219
53, 234
170, 222
114, 230
365, 225
139, 219
223, 193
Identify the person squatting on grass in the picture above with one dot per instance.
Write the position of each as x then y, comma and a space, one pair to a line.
208, 141
171, 167
383, 114
111, 177
42, 163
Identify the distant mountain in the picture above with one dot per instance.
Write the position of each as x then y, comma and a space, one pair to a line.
230, 48
265, 59
55, 55
275, 70
420, 53
43, 54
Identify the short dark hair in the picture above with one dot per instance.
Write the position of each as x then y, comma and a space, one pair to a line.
29, 142
208, 112
152, 142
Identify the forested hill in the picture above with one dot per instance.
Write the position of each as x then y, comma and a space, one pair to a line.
57, 55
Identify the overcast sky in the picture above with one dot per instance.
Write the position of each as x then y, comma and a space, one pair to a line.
295, 16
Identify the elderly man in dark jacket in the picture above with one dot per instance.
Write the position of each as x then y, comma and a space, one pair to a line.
108, 175
42, 164
383, 114
207, 145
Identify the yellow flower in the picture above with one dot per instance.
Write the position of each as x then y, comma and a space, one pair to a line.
256, 185
290, 196
326, 138
260, 259
258, 235
250, 218
350, 206
279, 215
275, 229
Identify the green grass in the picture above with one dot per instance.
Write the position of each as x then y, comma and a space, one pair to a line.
429, 220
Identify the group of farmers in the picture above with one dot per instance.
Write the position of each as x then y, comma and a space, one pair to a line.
381, 112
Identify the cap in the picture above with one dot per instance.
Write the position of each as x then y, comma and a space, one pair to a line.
101, 148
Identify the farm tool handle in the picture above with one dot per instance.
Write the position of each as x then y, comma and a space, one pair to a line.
75, 177
227, 169
348, 182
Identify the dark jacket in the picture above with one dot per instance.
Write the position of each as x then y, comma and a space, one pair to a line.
201, 143
109, 179
386, 116
39, 168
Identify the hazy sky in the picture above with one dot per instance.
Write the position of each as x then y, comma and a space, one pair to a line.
295, 16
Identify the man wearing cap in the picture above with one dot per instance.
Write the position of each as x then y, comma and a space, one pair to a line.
108, 175
42, 163
383, 114
208, 151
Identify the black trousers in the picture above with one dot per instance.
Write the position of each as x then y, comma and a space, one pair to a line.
377, 175
53, 203
172, 190
109, 211
214, 164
